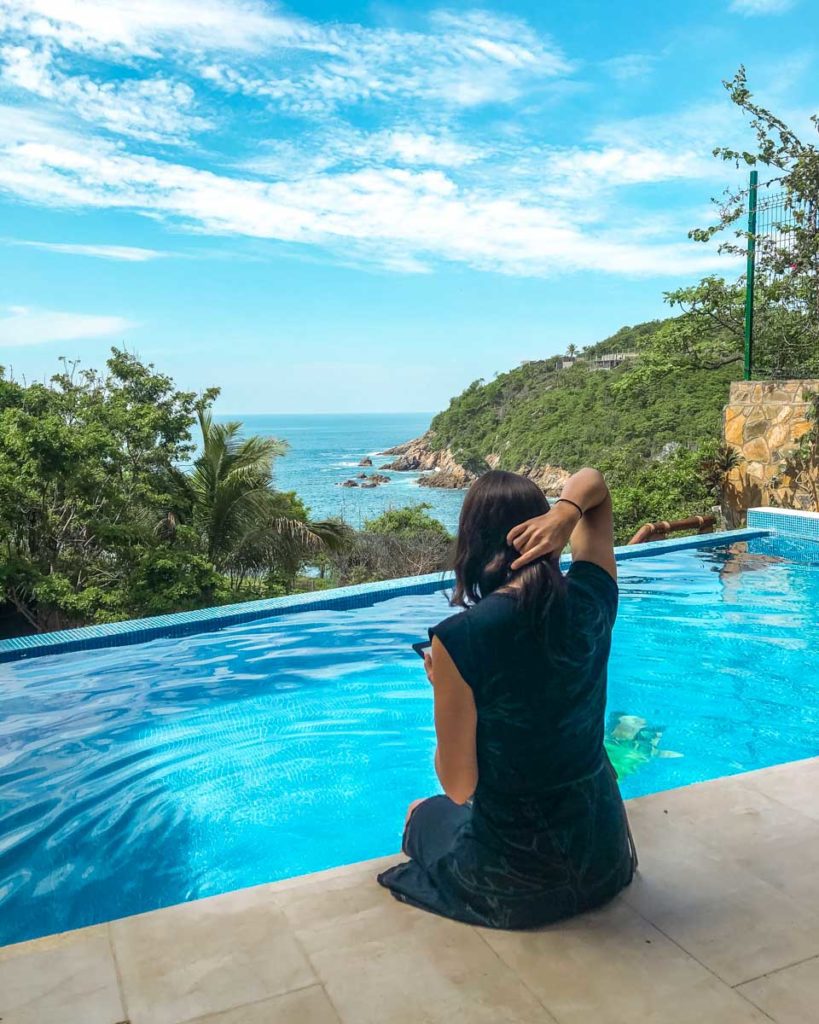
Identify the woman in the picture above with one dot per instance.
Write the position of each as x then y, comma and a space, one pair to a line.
532, 827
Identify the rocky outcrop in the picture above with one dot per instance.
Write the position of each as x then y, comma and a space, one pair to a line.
441, 469
452, 479
420, 455
366, 461
550, 479
349, 483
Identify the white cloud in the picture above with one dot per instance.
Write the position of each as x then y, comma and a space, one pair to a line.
123, 253
425, 182
340, 146
146, 27
24, 326
460, 60
384, 213
155, 109
752, 7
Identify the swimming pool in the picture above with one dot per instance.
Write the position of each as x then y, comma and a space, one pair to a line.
146, 775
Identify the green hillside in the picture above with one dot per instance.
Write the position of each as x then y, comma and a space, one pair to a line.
540, 413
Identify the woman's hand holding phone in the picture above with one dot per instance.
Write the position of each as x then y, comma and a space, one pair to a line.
428, 665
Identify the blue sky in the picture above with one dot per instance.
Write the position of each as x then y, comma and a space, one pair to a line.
326, 207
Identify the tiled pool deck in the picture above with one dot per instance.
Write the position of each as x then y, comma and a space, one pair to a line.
721, 926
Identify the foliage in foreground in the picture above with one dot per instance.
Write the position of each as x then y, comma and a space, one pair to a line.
400, 542
97, 520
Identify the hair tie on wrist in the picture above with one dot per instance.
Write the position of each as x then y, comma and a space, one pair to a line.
570, 502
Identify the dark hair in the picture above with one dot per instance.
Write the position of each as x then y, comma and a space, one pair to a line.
497, 502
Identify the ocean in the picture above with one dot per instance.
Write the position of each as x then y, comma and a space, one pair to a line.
324, 451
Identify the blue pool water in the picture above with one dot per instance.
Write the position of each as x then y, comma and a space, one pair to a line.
141, 776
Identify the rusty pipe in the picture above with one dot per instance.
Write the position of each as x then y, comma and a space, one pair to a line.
650, 531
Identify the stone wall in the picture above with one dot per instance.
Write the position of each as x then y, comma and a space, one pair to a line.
764, 421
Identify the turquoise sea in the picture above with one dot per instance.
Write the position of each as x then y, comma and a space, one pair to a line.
325, 451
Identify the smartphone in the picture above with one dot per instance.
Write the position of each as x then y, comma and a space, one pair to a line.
421, 646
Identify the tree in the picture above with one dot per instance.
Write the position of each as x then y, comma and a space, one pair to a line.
86, 468
400, 542
98, 521
247, 529
409, 521
708, 331
672, 489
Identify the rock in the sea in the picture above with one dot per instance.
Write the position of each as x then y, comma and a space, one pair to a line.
361, 476
369, 486
349, 483
379, 478
366, 461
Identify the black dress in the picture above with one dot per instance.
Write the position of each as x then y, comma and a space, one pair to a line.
546, 835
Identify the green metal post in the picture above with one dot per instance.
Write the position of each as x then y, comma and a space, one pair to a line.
749, 277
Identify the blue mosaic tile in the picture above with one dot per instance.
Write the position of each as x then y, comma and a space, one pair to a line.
786, 521
118, 634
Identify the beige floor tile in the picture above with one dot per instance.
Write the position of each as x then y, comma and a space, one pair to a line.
773, 841
790, 996
612, 967
307, 1006
382, 961
727, 917
363, 868
207, 956
62, 979
796, 785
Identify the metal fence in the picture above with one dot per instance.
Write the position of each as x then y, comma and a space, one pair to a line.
782, 285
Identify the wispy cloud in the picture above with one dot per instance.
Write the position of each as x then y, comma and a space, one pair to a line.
631, 66
155, 109
389, 165
147, 28
458, 60
22, 326
122, 253
418, 213
752, 7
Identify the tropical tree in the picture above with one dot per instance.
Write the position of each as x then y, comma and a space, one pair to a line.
99, 521
86, 467
708, 329
247, 529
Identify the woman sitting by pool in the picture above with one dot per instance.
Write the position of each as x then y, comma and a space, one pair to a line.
532, 827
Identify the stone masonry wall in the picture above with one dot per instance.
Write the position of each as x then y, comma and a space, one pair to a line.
764, 421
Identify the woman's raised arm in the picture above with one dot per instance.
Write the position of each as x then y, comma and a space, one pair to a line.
582, 515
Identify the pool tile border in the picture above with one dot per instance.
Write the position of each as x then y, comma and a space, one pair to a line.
133, 631
788, 522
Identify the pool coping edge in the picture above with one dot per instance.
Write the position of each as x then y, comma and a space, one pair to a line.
133, 631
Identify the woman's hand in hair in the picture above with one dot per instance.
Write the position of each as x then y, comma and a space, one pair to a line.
546, 535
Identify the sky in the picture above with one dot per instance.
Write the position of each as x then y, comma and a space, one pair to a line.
362, 207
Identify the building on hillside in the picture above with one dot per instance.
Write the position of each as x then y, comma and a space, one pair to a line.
611, 360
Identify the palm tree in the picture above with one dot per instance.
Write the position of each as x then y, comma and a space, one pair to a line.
246, 527
571, 351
